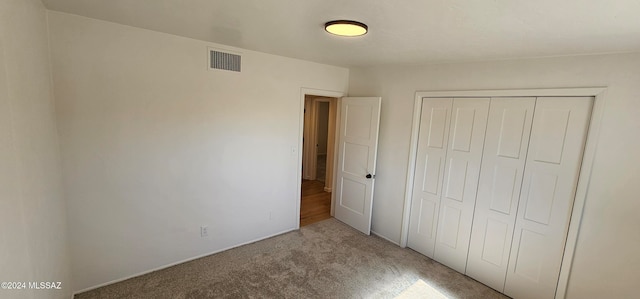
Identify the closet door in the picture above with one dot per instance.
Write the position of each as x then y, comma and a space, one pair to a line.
503, 161
464, 154
550, 178
433, 140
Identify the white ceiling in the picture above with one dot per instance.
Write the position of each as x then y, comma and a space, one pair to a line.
400, 32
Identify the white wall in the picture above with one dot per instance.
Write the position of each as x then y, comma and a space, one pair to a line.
33, 231
606, 260
154, 145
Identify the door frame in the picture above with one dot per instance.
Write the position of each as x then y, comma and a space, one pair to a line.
323, 93
598, 93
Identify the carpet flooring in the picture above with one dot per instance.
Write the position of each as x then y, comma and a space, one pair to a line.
327, 259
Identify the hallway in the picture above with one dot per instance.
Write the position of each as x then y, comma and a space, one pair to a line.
315, 203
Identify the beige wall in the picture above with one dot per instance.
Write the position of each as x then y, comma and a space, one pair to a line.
33, 240
323, 126
606, 259
154, 145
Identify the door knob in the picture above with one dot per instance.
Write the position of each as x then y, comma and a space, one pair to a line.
370, 176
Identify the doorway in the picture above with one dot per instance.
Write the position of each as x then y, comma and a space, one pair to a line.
318, 155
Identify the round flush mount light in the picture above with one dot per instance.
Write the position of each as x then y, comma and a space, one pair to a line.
346, 28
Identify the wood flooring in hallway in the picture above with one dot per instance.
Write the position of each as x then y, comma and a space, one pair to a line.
315, 204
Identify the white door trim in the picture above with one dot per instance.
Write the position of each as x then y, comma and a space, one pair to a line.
316, 92
598, 93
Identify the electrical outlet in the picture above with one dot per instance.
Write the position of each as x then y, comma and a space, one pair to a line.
204, 231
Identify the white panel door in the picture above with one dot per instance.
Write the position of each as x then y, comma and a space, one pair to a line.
505, 153
462, 168
433, 141
550, 177
358, 145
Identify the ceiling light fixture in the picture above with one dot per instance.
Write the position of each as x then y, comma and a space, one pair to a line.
346, 28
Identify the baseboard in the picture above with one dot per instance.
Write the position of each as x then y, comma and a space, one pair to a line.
327, 189
381, 236
178, 262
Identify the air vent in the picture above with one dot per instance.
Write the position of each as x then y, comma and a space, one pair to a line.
224, 61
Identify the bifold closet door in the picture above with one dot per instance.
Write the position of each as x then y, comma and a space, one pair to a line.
503, 162
551, 173
462, 168
433, 140
498, 207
